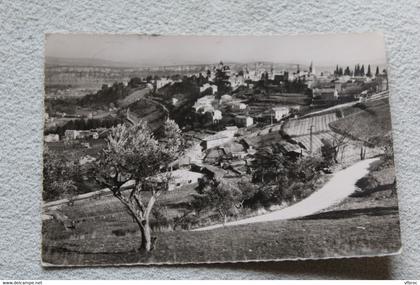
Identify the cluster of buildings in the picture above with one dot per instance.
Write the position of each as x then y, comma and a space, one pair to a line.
70, 135
347, 88
80, 134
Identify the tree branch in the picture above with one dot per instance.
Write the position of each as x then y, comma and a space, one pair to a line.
135, 195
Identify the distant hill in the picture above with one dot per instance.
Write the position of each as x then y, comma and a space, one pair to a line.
63, 61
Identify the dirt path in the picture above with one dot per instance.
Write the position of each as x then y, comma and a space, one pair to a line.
340, 186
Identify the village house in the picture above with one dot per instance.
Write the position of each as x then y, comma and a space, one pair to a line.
207, 86
86, 159
204, 104
381, 83
214, 156
236, 81
182, 177
230, 131
216, 140
211, 171
177, 179
238, 106
234, 150
174, 101
227, 151
280, 112
217, 116
80, 134
219, 138
51, 138
290, 150
324, 96
225, 98
244, 121
162, 82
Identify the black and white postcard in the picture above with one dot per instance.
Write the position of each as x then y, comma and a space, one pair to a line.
210, 149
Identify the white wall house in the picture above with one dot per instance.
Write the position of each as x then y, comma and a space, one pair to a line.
204, 102
206, 86
51, 138
217, 115
237, 106
280, 112
244, 121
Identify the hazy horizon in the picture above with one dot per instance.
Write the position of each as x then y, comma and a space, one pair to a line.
152, 51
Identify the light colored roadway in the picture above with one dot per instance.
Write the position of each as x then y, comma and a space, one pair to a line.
340, 186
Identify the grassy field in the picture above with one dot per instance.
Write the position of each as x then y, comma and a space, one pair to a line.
365, 232
366, 224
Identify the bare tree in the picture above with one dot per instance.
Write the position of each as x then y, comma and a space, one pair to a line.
331, 147
134, 154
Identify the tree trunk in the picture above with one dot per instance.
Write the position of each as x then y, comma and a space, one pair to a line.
146, 237
141, 216
336, 150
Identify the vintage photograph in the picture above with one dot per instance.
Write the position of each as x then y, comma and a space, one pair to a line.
212, 149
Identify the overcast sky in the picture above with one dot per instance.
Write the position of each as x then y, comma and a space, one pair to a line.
329, 49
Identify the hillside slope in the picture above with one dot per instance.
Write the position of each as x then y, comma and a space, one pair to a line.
369, 121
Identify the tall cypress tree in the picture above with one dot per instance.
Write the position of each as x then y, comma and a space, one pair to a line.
369, 73
362, 70
356, 70
377, 71
347, 71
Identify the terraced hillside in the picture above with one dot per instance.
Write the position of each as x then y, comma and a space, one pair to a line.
299, 129
134, 97
147, 110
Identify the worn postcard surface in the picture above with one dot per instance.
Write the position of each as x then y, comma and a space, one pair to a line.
208, 149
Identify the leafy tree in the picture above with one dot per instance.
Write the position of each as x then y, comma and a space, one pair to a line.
133, 153
222, 79
135, 82
58, 176
307, 168
224, 198
268, 165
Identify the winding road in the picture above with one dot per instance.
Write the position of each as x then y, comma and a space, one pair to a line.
340, 186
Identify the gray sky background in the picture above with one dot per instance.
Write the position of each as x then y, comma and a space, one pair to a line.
140, 50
